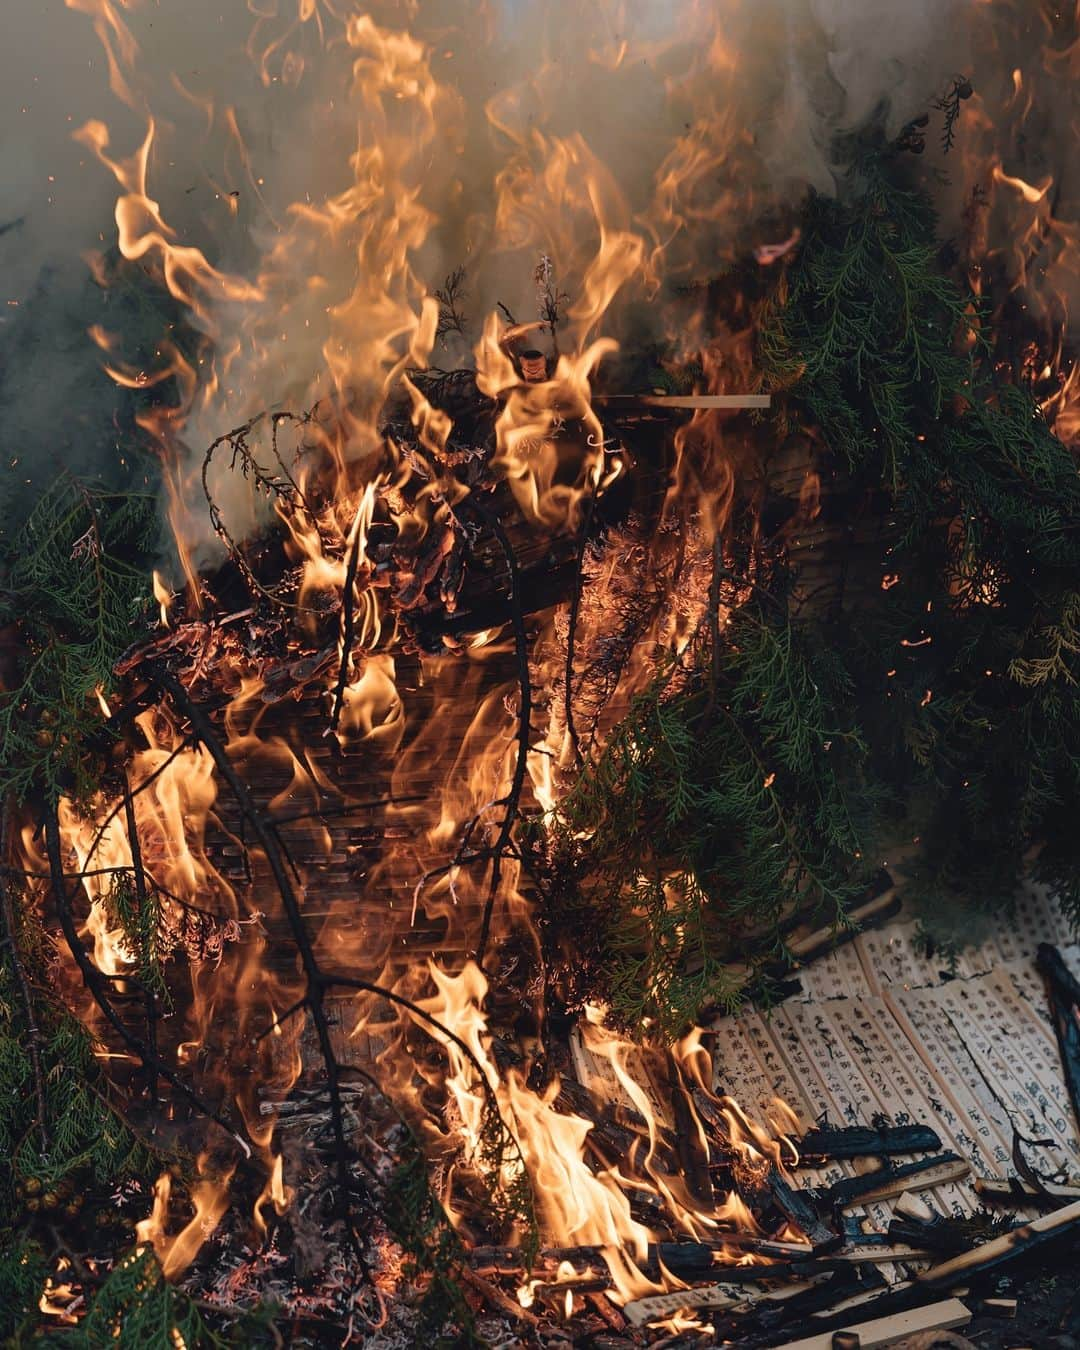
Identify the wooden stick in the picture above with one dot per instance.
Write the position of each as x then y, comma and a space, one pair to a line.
494, 1295
863, 1141
657, 1306
885, 1330
685, 400
1016, 1243
889, 1181
820, 939
1013, 1189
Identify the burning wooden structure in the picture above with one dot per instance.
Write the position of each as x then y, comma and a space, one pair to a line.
459, 878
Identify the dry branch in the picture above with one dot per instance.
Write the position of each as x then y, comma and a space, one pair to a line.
97, 984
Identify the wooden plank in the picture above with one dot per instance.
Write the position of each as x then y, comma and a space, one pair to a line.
919, 1176
656, 1306
990, 1254
884, 1330
1013, 1189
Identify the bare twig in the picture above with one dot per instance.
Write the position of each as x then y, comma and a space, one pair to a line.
131, 793
96, 984
142, 899
512, 799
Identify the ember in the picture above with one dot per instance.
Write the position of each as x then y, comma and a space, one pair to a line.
666, 615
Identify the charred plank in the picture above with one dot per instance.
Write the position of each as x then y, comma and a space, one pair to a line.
865, 1141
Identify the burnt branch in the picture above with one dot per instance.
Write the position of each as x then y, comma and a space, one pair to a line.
451, 296
315, 993
348, 612
142, 899
279, 484
512, 800
571, 631
97, 985
949, 104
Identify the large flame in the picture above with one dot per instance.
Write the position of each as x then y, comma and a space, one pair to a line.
339, 313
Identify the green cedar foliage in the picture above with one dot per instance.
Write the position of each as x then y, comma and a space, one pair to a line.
136, 1306
947, 696
22, 1278
966, 667
85, 1136
723, 801
86, 1144
72, 581
864, 326
137, 1309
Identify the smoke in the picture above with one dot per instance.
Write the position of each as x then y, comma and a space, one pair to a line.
686, 123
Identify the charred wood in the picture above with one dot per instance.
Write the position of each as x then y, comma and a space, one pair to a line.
1044, 1232
1063, 991
863, 1141
888, 1181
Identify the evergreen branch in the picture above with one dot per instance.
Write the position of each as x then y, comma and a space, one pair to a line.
33, 1031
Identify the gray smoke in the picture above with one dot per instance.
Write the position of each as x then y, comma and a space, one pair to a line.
754, 100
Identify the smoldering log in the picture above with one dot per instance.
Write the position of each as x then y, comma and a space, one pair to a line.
797, 1207
574, 1100
621, 1123
826, 1143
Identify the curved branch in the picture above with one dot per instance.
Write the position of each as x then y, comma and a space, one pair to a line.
571, 632
96, 984
521, 650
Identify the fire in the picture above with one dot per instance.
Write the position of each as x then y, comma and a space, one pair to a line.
340, 315
163, 596
209, 1196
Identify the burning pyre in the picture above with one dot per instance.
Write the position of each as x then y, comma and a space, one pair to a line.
396, 623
